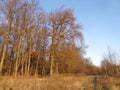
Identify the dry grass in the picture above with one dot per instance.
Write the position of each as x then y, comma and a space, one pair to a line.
62, 82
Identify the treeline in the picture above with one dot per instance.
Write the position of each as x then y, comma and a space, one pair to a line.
33, 42
110, 64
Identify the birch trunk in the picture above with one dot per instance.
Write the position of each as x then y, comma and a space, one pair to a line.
29, 57
17, 57
6, 41
51, 65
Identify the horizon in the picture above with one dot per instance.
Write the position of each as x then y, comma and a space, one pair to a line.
100, 23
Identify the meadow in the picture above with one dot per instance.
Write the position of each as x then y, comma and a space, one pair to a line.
60, 82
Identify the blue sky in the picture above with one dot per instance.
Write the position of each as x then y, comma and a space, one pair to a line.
100, 20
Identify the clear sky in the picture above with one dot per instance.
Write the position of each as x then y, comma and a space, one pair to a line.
100, 20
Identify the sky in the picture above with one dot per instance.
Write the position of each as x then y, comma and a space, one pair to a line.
100, 20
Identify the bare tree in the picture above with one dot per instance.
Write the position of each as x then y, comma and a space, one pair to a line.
109, 65
8, 10
63, 29
34, 42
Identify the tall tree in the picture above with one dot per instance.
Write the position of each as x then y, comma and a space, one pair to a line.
63, 29
7, 9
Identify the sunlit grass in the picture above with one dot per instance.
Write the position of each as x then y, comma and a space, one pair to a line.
61, 82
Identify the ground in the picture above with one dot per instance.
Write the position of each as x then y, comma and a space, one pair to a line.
59, 82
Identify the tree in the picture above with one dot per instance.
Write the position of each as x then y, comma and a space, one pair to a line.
69, 59
34, 42
8, 10
109, 65
20, 25
62, 29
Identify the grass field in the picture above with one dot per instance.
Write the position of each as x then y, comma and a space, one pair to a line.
61, 82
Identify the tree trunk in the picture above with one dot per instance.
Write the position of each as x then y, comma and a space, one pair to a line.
3, 57
36, 69
51, 65
6, 41
17, 57
29, 57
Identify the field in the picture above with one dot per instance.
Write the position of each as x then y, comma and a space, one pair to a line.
61, 82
